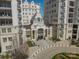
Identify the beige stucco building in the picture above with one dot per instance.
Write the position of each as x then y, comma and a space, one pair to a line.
62, 15
9, 25
28, 9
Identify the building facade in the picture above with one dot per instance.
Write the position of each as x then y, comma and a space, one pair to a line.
28, 9
30, 23
9, 25
39, 30
61, 14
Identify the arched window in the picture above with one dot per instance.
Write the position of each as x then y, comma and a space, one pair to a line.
33, 34
38, 19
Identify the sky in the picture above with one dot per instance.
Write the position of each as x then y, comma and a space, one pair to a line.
41, 5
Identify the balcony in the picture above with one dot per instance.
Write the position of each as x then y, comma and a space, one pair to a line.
19, 5
4, 22
3, 8
5, 5
5, 17
5, 14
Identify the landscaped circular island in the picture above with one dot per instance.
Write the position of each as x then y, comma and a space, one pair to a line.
66, 56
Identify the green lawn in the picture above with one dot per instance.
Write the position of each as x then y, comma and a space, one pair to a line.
66, 56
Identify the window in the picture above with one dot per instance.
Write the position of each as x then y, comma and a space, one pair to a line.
69, 31
46, 33
73, 36
3, 30
70, 14
70, 25
70, 20
78, 9
33, 34
5, 21
27, 16
9, 29
4, 39
75, 31
75, 26
39, 19
8, 47
71, 3
32, 6
23, 5
54, 10
55, 5
26, 9
28, 33
10, 38
5, 4
23, 13
78, 15
71, 9
23, 9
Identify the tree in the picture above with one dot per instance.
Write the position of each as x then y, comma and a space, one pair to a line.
21, 52
2, 57
7, 56
19, 55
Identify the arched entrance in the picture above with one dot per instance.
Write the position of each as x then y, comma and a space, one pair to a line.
40, 34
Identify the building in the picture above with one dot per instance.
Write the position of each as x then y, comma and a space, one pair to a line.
30, 23
28, 9
9, 25
75, 34
39, 30
63, 16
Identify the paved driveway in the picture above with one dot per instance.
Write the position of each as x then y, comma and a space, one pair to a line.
48, 53
48, 49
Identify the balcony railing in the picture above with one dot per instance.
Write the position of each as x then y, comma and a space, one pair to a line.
4, 5
5, 17
1, 8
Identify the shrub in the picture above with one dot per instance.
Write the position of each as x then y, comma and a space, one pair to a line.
30, 43
54, 39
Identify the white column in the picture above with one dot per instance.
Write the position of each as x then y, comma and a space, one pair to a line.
14, 12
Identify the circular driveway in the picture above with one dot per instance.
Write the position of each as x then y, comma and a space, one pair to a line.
49, 52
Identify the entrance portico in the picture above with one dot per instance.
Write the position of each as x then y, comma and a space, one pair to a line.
40, 34
38, 28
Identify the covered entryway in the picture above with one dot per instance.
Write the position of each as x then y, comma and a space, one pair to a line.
40, 34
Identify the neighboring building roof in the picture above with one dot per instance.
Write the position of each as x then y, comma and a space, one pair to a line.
32, 2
